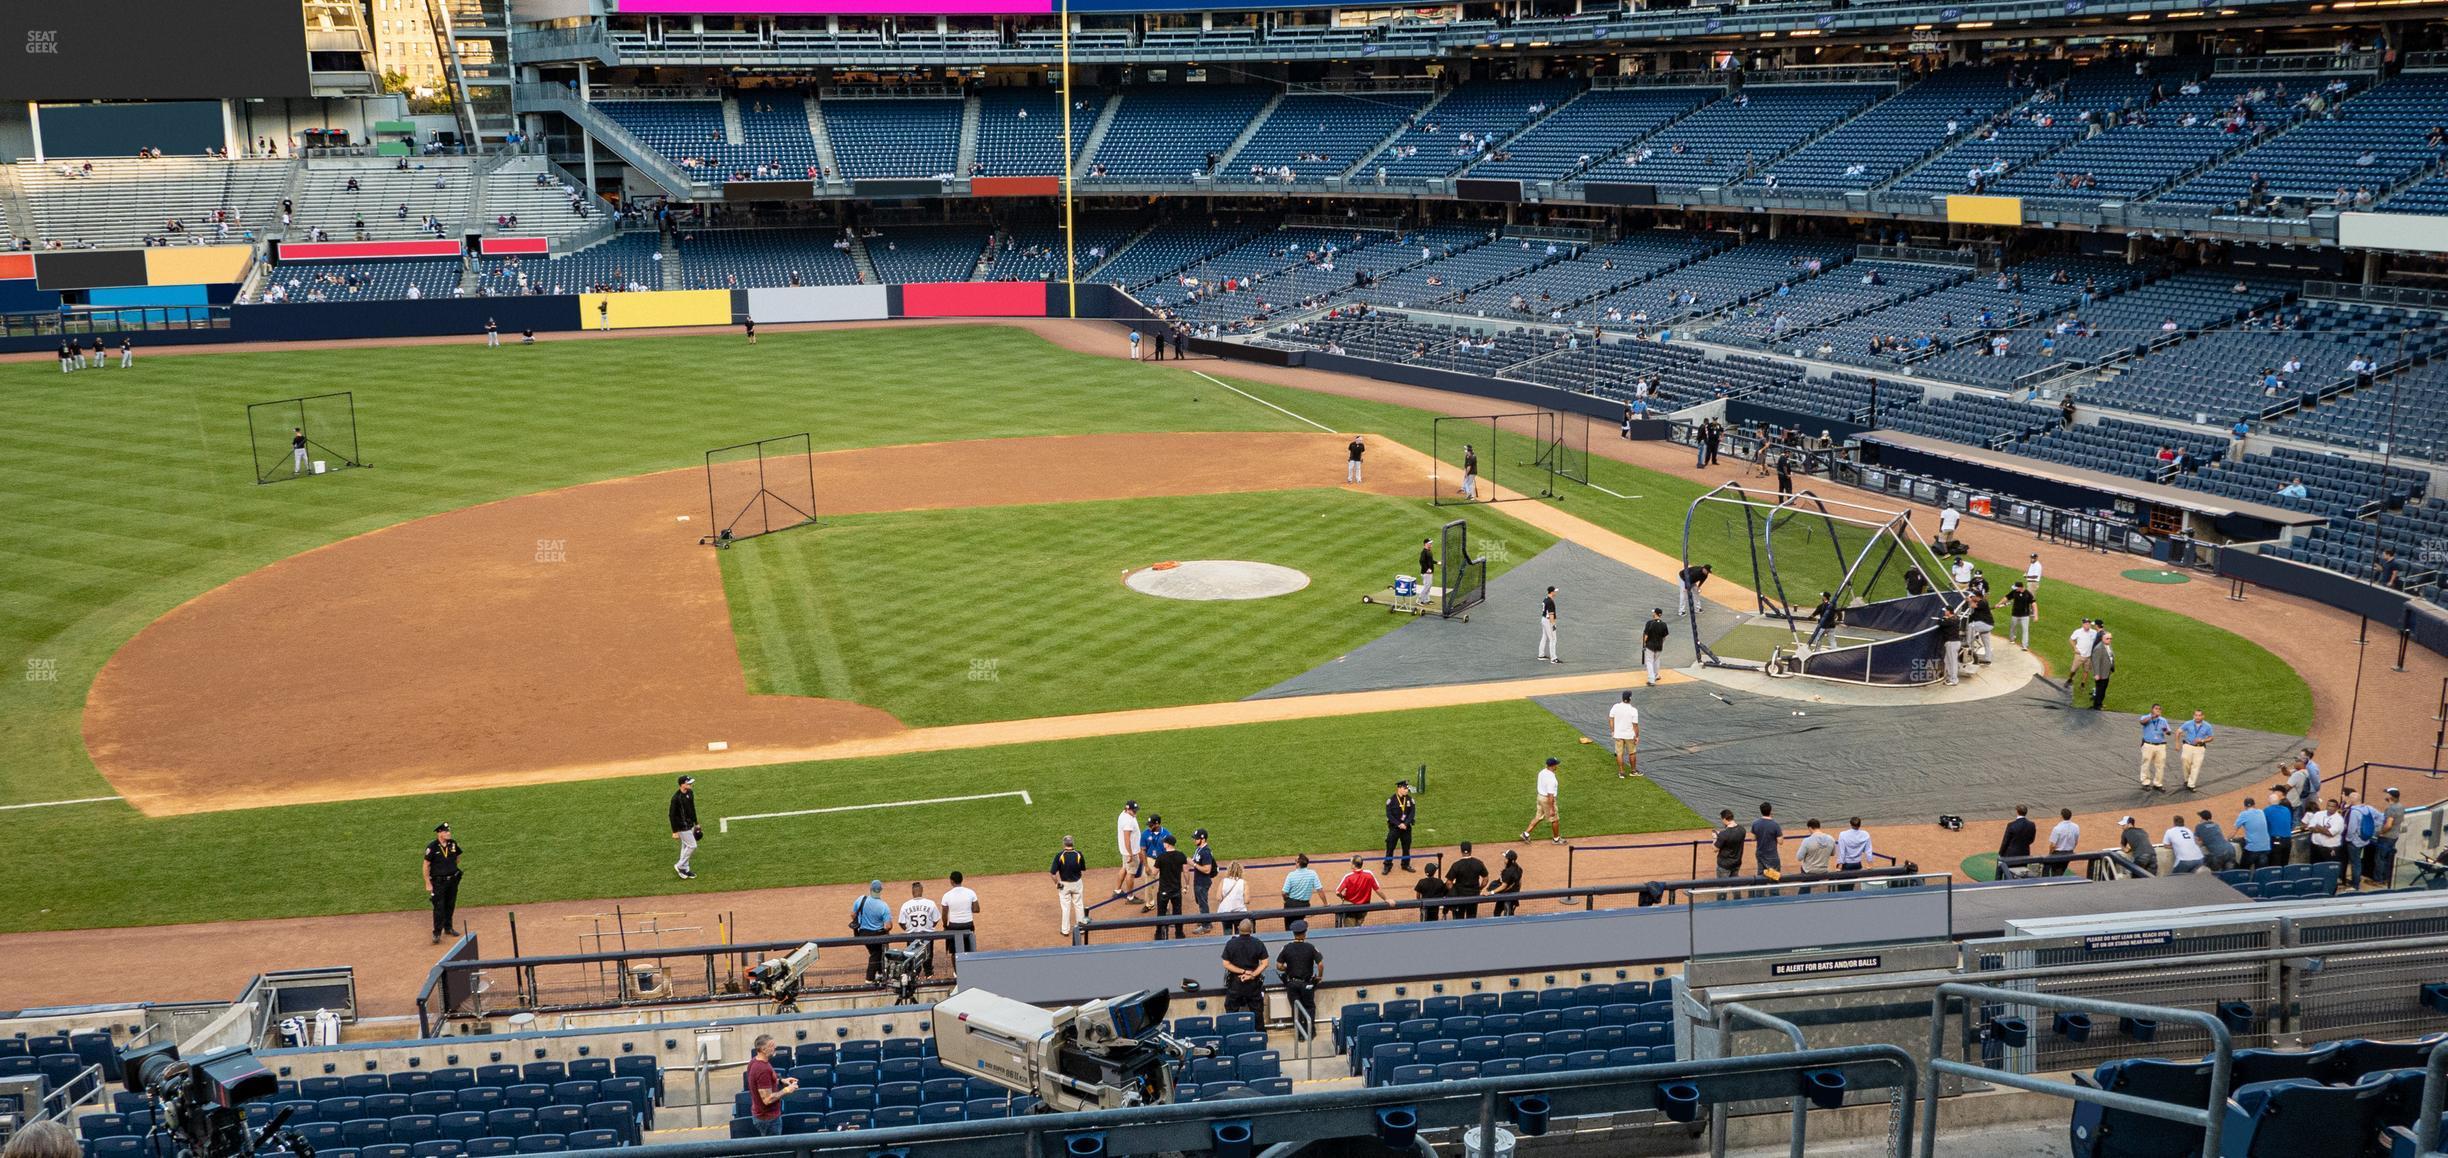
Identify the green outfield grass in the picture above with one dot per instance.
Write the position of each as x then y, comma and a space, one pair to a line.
1265, 790
132, 492
997, 613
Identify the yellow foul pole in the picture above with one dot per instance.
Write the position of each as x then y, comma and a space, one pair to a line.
1070, 247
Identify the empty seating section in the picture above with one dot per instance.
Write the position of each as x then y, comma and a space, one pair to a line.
2353, 547
1520, 1031
2224, 375
1010, 144
1737, 134
1845, 292
1679, 376
2137, 158
1843, 397
2115, 326
592, 1103
1449, 261
2407, 412
617, 264
1973, 419
392, 202
1033, 252
690, 133
2342, 1097
1165, 134
1707, 286
750, 258
1596, 125
918, 137
1308, 279
1320, 134
121, 201
1172, 246
1895, 133
2428, 196
1596, 270
2333, 483
1260, 257
327, 281
774, 131
2052, 120
927, 253
2123, 447
1458, 129
2373, 141
1965, 312
542, 209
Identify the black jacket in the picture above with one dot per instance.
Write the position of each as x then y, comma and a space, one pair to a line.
2020, 832
683, 811
1400, 812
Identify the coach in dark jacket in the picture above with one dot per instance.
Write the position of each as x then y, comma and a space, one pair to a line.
684, 825
2020, 832
1401, 810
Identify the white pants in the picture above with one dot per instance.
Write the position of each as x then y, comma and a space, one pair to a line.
2018, 629
1683, 598
67, 365
603, 321
1068, 896
1547, 638
1351, 471
688, 848
1470, 486
1134, 351
1649, 663
492, 337
297, 461
127, 358
1954, 661
1977, 634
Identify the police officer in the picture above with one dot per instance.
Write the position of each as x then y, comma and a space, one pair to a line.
1400, 811
1303, 968
1245, 962
442, 880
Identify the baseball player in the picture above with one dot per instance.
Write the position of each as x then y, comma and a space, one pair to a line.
297, 451
1351, 467
1653, 642
684, 826
1547, 629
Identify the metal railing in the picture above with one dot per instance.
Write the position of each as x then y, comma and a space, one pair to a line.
654, 976
2434, 1103
1571, 851
2222, 1059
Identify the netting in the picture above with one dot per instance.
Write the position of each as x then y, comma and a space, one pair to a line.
1834, 590
760, 487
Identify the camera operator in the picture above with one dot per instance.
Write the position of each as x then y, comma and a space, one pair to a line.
1303, 968
871, 917
442, 881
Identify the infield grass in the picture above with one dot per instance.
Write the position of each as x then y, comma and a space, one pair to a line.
999, 613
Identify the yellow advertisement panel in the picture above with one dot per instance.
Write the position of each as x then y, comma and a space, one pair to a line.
657, 308
196, 264
1965, 209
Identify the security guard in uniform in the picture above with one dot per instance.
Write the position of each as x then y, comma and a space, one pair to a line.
1303, 969
1245, 961
442, 881
1400, 811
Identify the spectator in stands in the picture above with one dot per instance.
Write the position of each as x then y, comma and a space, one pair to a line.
2019, 834
2218, 853
2325, 832
2252, 829
2184, 847
2063, 839
2137, 846
2280, 816
2362, 831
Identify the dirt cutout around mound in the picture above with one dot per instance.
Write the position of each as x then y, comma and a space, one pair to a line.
566, 635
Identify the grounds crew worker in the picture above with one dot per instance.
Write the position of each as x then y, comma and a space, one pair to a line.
442, 880
1400, 810
1303, 969
684, 826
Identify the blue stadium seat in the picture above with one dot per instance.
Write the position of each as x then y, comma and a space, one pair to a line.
847, 1120
542, 1143
340, 1108
860, 1050
2362, 1056
453, 1078
596, 1069
594, 1140
576, 1093
943, 1090
385, 1150
1383, 1059
1606, 1036
510, 1122
856, 1073
1503, 1067
980, 1109
560, 1118
2298, 1116
1442, 1006
386, 1105
2270, 1065
937, 1113
1481, 1004
438, 1148
365, 1085
1366, 1038
859, 1098
533, 1095
2098, 1132
1412, 1075
897, 1094
888, 1117
414, 1128
1546, 1063
1629, 1055
460, 1125
1521, 1045
631, 1090
904, 1047
1519, 1000
1586, 1059
1462, 1025
491, 1147
900, 1069
93, 1126
743, 1126
498, 1074
1203, 1026
1232, 1023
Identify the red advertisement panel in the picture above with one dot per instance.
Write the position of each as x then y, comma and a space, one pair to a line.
366, 250
974, 299
506, 246
1015, 186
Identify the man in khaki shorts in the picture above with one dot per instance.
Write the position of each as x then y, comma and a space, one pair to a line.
1547, 806
1623, 721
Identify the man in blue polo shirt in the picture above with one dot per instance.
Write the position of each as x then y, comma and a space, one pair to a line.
2155, 731
2196, 734
2252, 828
1152, 845
871, 917
2279, 816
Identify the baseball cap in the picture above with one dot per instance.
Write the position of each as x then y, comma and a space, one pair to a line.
2127, 820
2389, 791
875, 886
687, 780
1198, 834
1552, 761
1130, 806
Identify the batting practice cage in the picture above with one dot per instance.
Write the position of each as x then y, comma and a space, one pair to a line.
757, 488
1463, 576
1881, 626
327, 422
1535, 447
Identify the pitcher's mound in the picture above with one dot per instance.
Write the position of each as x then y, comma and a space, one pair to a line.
1216, 579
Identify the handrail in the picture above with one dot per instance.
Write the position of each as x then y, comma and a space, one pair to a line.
1572, 850
1727, 1015
2222, 1059
2434, 1102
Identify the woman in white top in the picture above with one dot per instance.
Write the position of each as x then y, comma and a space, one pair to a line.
1232, 894
2327, 829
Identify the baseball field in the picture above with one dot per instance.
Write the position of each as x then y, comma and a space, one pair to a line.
230, 700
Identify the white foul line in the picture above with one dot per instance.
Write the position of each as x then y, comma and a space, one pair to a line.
57, 803
1604, 491
726, 821
1262, 401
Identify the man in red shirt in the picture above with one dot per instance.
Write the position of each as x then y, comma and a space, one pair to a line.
765, 1091
1358, 887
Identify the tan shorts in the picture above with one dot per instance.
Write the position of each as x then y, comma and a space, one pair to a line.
1627, 749
1546, 810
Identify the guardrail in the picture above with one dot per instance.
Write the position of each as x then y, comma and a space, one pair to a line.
659, 976
2210, 1117
1571, 851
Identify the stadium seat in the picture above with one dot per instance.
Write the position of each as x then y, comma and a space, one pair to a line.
1629, 1055
481, 1098
857, 1073
365, 1085
2297, 1116
594, 1140
1519, 1000
743, 1126
385, 1150
1441, 1006
1503, 1067
386, 1105
542, 1143
860, 1050
887, 1117
497, 1075
860, 1098
1383, 1059
1586, 1059
1546, 1063
543, 1073
896, 1094
1481, 1004
510, 1122
1606, 1036
596, 1069
438, 1148
576, 1093
453, 1078
2362, 1056
1500, 1024
2099, 1132
1232, 1023
2270, 1065
1411, 1075
414, 1128
847, 1120
460, 1125
322, 1136
560, 1118
981, 1109
904, 1047
1521, 1045
900, 1069
340, 1109
93, 1126
1203, 1026
1542, 1020
632, 1091
937, 1113
1461, 1025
